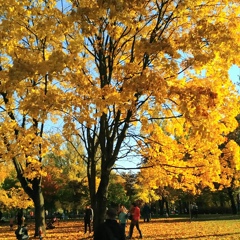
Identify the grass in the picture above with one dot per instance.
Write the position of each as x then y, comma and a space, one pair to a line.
205, 227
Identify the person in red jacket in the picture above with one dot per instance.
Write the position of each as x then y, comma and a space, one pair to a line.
135, 211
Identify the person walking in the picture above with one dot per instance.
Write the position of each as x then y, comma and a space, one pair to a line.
20, 218
110, 229
88, 218
135, 213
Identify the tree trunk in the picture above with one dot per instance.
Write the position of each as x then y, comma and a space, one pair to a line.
233, 203
101, 200
161, 206
35, 193
39, 210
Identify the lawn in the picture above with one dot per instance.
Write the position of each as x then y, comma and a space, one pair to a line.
203, 228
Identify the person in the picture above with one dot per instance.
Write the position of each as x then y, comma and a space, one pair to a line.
135, 212
31, 214
88, 218
146, 212
22, 232
50, 224
20, 218
11, 223
123, 216
40, 233
110, 229
194, 210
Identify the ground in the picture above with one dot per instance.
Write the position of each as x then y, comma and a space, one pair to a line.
203, 228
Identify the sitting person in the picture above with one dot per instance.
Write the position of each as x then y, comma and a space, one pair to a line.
22, 232
50, 224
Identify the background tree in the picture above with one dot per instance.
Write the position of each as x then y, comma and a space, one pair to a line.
27, 91
116, 191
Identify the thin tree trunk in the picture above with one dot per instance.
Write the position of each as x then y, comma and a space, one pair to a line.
233, 203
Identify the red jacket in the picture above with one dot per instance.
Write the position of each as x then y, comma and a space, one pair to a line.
136, 213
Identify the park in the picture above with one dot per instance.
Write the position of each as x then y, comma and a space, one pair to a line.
108, 102
224, 227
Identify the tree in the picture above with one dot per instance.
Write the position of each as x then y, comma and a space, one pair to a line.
116, 191
230, 171
27, 92
12, 195
136, 60
113, 69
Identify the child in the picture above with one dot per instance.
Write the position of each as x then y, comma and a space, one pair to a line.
122, 216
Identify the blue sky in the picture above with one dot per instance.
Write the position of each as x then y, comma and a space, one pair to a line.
234, 73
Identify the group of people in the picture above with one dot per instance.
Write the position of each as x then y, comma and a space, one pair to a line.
22, 230
112, 228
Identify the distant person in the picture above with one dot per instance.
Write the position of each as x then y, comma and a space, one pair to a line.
88, 218
20, 218
135, 211
11, 222
195, 210
51, 223
110, 229
122, 217
40, 233
31, 214
146, 211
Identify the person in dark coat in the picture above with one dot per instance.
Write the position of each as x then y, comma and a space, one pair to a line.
20, 218
146, 212
110, 229
88, 218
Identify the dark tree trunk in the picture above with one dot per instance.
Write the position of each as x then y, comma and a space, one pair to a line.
161, 206
101, 199
233, 203
38, 200
35, 193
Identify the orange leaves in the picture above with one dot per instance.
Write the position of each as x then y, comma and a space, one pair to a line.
156, 229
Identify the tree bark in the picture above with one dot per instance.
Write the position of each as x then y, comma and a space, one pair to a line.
38, 200
101, 199
233, 203
35, 193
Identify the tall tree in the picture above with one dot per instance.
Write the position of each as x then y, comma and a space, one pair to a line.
143, 60
27, 90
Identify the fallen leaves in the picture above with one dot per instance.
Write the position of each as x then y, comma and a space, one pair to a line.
159, 229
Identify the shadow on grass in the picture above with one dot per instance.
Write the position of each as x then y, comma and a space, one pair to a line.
207, 236
199, 218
